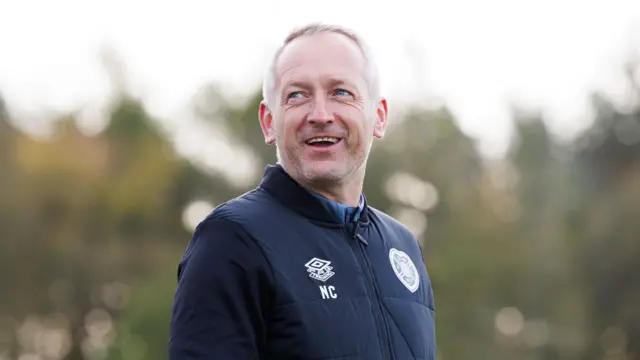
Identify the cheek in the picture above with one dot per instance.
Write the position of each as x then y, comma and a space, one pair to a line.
359, 125
287, 127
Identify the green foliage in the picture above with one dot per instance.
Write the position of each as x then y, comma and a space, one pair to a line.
531, 257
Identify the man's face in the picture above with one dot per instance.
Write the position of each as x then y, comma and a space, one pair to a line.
323, 119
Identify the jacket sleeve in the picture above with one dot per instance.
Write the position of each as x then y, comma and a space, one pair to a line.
223, 290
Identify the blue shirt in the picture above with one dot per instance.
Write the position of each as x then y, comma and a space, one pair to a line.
346, 214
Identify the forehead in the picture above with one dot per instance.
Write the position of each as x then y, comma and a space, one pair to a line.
321, 57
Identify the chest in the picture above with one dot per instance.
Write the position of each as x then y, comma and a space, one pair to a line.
349, 297
328, 264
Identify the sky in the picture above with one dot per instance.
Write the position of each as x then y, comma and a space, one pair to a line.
477, 57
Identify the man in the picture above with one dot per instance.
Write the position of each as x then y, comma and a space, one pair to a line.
302, 267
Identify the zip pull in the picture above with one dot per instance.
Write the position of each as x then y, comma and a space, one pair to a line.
356, 235
361, 239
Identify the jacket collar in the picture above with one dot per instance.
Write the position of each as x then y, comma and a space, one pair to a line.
285, 189
348, 214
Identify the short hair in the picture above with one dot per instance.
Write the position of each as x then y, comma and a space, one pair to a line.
371, 71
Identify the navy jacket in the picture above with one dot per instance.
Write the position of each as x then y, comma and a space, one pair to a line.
274, 274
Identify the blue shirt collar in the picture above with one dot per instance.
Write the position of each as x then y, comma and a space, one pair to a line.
347, 214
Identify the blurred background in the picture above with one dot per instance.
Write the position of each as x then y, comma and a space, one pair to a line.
513, 155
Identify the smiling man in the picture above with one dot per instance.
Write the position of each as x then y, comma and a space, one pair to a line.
302, 267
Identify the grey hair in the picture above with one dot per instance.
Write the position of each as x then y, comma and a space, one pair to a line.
371, 70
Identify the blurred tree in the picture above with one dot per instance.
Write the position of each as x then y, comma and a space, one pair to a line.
8, 341
539, 170
88, 217
531, 257
7, 137
604, 225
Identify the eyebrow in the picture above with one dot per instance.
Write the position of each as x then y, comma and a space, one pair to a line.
336, 82
296, 84
331, 82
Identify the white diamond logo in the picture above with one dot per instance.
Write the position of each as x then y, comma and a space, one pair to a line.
319, 269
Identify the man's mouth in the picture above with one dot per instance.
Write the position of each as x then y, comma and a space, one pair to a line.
323, 141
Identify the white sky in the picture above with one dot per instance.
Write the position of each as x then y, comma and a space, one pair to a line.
475, 54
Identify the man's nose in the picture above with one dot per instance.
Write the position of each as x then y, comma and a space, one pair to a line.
320, 113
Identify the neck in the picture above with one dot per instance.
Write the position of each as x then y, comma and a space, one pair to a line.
348, 193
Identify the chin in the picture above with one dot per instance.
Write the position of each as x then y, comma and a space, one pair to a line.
323, 171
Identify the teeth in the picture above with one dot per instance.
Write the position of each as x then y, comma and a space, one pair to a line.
321, 139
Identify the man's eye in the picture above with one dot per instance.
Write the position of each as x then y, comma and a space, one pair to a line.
295, 94
341, 92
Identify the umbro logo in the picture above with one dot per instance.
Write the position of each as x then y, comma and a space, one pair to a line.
319, 269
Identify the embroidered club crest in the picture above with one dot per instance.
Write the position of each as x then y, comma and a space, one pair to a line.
405, 269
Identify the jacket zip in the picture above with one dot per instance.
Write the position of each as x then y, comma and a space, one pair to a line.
378, 311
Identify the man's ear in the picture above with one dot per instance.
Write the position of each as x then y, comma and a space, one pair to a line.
266, 123
381, 120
